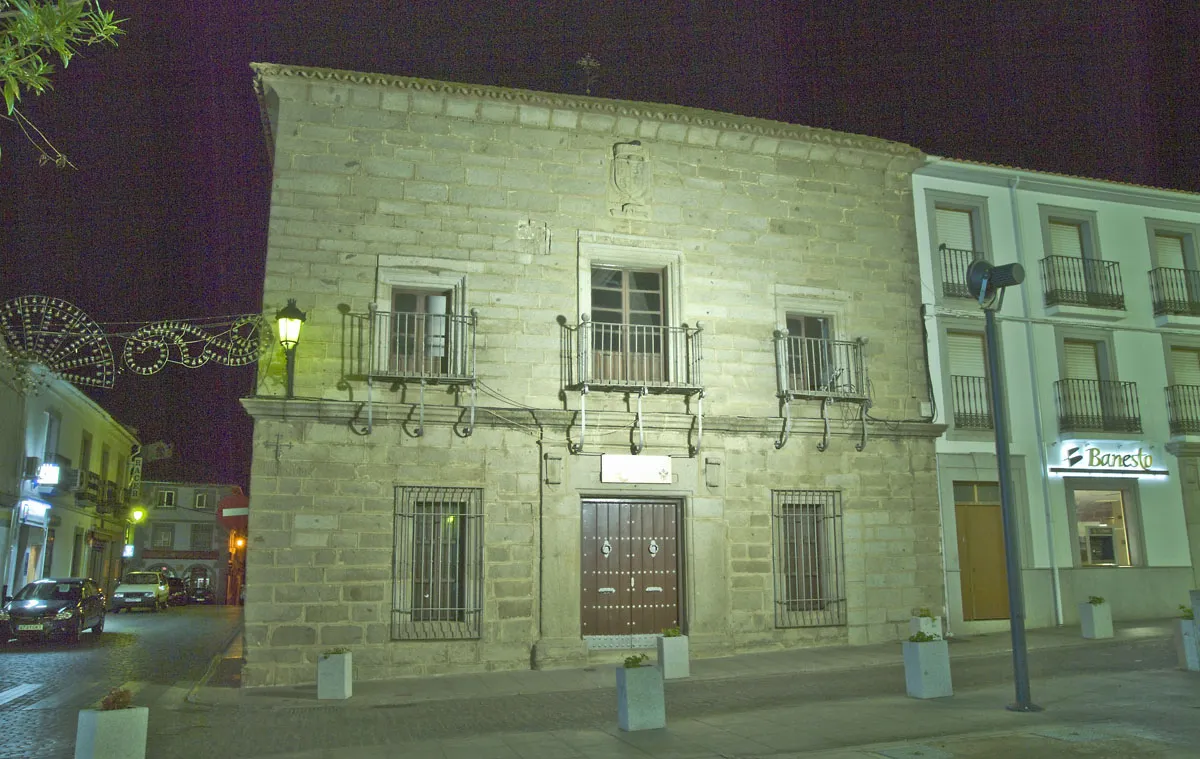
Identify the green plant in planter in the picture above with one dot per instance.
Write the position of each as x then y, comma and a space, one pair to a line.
1186, 612
1095, 600
923, 637
335, 651
635, 661
924, 611
672, 632
117, 698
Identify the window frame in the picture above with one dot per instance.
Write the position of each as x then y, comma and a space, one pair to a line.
207, 546
161, 528
977, 206
1190, 233
165, 498
1131, 502
52, 435
828, 607
1089, 236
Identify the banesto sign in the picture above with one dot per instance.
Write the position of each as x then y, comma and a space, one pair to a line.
1079, 458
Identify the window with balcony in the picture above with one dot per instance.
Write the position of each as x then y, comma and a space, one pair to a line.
815, 364
958, 246
1175, 278
1183, 394
1073, 272
1088, 399
970, 391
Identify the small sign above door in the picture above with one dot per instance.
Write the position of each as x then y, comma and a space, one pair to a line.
649, 470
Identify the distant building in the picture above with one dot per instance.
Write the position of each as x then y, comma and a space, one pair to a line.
181, 535
69, 519
577, 370
1100, 356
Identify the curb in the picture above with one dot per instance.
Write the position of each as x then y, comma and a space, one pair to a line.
212, 666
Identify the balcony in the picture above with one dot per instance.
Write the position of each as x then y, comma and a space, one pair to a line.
954, 270
1176, 297
818, 368
401, 347
1083, 287
90, 492
1183, 409
1097, 406
604, 356
972, 402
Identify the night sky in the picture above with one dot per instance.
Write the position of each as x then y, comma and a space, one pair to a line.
166, 216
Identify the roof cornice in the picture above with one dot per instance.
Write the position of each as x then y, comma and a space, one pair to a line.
677, 114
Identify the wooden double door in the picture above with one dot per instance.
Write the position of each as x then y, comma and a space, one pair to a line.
630, 582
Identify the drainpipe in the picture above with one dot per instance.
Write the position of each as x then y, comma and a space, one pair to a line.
1055, 586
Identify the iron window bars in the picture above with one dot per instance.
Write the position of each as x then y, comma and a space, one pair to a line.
972, 402
394, 345
1074, 281
809, 566
1097, 405
603, 355
437, 573
1183, 409
1175, 291
955, 262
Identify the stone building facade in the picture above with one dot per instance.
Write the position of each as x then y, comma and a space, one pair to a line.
577, 370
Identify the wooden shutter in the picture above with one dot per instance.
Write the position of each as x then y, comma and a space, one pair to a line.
967, 357
1066, 239
1168, 251
1185, 366
1082, 360
954, 229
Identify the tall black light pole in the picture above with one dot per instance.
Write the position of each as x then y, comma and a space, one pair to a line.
987, 283
290, 318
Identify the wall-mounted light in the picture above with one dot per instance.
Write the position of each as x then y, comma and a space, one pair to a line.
289, 318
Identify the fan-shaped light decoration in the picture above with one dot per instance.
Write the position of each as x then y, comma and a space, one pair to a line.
52, 332
240, 341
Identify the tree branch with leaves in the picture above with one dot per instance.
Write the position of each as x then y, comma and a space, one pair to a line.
34, 36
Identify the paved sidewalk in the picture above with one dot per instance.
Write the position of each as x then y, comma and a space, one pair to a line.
1118, 698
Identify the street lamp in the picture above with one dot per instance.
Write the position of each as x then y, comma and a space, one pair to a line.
987, 283
290, 318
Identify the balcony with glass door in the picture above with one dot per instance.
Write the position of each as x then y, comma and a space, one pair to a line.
406, 346
1083, 287
817, 367
1087, 405
618, 356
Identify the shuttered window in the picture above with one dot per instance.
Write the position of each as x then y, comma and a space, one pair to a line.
1082, 359
967, 357
1168, 251
1185, 366
955, 229
1066, 239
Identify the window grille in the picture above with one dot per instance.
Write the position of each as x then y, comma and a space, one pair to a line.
437, 577
202, 537
163, 536
810, 587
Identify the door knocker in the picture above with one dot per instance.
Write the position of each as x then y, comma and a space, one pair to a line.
606, 549
653, 547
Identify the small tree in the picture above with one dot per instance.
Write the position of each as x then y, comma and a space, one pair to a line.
35, 33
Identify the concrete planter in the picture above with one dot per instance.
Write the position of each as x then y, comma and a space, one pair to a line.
927, 669
640, 701
1187, 644
928, 625
673, 657
1096, 620
335, 676
113, 734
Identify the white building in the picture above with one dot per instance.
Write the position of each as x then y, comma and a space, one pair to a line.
1100, 349
75, 527
181, 535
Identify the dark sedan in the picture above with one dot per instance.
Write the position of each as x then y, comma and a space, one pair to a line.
63, 606
177, 592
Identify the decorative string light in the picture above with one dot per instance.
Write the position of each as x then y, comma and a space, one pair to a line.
37, 329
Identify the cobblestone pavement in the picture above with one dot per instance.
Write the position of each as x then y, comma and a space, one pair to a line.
760, 715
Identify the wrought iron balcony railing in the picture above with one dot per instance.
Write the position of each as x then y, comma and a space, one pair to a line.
810, 366
972, 402
1175, 291
1183, 409
1072, 281
395, 345
601, 355
1097, 406
955, 262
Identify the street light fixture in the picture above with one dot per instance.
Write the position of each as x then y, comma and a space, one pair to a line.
290, 318
987, 283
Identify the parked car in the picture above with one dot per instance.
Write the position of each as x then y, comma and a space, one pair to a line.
177, 592
54, 606
141, 590
202, 596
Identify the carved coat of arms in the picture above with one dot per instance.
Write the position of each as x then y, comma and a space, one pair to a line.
630, 180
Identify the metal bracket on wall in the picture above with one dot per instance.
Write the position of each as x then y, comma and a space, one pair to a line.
786, 432
469, 427
641, 444
578, 447
695, 449
825, 403
863, 407
421, 418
